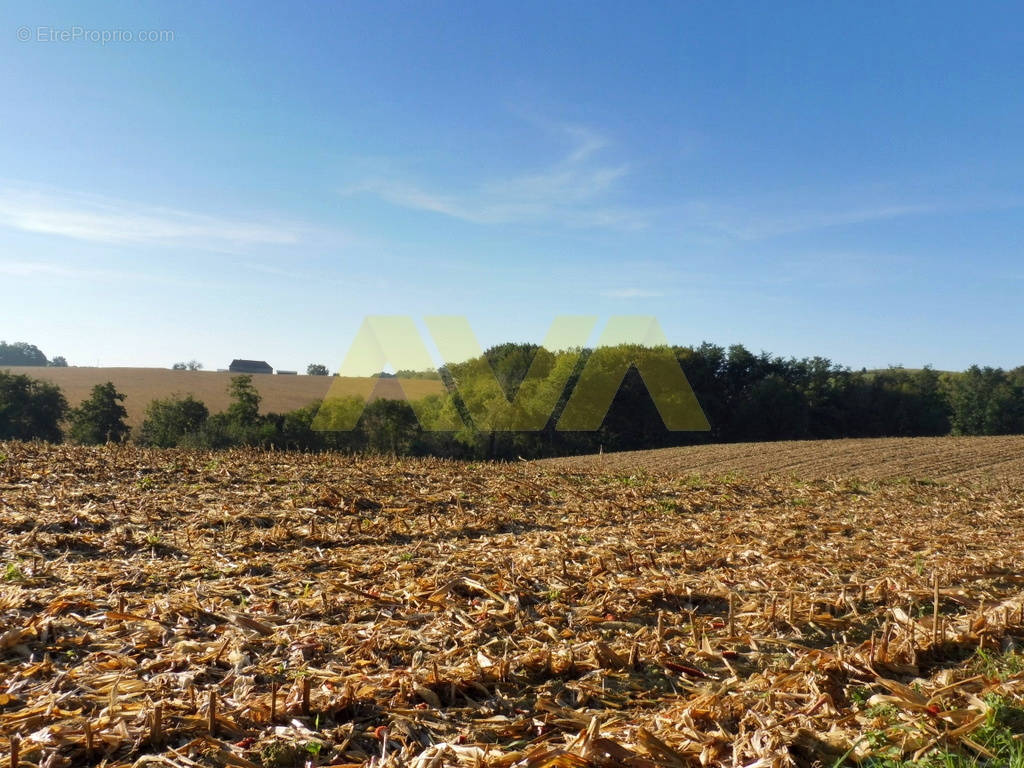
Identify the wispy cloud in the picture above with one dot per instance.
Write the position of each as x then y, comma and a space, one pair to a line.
572, 191
744, 223
37, 268
581, 189
33, 270
105, 220
630, 293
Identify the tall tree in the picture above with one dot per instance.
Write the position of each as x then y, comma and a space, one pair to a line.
245, 401
101, 418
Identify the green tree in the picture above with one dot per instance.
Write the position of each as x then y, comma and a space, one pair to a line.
21, 353
172, 421
296, 430
985, 401
30, 409
405, 373
241, 423
390, 426
101, 418
245, 401
773, 409
58, 362
316, 369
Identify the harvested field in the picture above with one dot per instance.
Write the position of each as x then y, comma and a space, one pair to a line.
182, 608
279, 393
942, 459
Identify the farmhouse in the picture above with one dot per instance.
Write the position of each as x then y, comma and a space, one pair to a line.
250, 366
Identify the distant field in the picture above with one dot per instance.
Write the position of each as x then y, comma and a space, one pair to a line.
943, 459
141, 385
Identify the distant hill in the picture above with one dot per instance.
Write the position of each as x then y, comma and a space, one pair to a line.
279, 393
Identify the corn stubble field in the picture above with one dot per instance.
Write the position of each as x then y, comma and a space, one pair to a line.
182, 608
943, 459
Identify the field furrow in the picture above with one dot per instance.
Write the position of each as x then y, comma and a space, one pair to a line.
943, 459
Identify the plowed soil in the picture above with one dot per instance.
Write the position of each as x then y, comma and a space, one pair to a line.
941, 459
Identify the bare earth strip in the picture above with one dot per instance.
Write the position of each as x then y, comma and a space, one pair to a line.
940, 459
175, 608
280, 393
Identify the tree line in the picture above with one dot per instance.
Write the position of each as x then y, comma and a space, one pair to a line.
21, 353
745, 396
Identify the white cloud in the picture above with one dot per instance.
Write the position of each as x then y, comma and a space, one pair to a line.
578, 190
571, 191
104, 220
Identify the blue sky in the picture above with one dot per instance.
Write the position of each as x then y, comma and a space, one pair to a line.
834, 179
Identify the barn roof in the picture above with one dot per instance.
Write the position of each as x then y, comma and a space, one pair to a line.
250, 365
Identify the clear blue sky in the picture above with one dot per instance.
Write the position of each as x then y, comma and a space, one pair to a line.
839, 179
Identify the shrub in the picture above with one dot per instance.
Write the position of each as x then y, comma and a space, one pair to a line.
30, 409
169, 422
